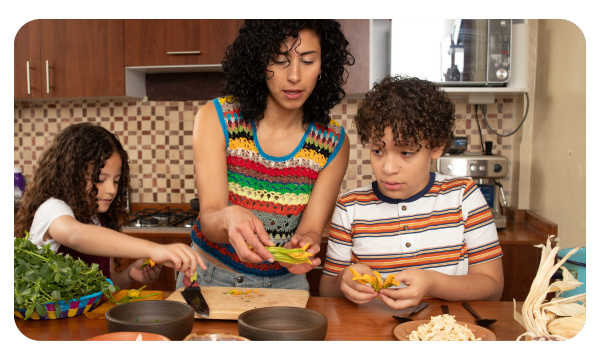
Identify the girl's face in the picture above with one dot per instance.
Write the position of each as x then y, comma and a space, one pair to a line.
108, 184
291, 83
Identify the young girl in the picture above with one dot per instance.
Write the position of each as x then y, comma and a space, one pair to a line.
76, 203
267, 148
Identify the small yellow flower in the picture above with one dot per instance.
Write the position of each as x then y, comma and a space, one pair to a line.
133, 293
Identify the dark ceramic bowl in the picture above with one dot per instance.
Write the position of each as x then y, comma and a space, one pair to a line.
282, 323
176, 319
195, 203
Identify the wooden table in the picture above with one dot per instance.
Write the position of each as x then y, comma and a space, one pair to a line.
346, 321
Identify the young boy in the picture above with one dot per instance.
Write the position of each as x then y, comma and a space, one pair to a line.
434, 232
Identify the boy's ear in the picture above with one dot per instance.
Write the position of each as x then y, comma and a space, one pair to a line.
437, 152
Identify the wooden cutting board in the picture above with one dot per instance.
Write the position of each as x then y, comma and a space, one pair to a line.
225, 306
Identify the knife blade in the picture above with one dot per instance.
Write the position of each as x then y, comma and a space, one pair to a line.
193, 297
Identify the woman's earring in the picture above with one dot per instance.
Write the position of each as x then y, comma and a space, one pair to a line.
319, 77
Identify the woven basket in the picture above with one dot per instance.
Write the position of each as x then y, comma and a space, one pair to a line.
67, 309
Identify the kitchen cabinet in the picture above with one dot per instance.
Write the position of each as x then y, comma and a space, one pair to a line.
177, 42
28, 68
357, 34
70, 58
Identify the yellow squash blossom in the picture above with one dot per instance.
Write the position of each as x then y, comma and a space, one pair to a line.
148, 262
375, 281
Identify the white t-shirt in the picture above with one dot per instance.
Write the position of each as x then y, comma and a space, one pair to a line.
49, 211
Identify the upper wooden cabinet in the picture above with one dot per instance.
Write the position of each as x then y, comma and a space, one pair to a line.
73, 58
178, 42
357, 34
28, 69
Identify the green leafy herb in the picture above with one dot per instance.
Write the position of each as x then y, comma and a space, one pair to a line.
42, 277
135, 320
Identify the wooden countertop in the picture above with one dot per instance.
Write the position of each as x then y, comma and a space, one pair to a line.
369, 322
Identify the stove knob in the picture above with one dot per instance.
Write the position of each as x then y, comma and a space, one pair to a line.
497, 168
449, 167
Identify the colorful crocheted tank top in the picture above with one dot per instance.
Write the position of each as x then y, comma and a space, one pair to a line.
275, 189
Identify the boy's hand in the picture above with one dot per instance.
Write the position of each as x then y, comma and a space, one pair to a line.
299, 241
178, 256
418, 283
353, 290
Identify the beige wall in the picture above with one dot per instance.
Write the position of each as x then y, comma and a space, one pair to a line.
558, 156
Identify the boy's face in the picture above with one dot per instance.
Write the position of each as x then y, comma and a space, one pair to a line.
401, 172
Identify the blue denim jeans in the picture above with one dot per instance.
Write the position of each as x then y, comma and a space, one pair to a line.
215, 276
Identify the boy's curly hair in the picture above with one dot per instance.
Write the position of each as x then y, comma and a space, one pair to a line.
259, 41
415, 109
61, 173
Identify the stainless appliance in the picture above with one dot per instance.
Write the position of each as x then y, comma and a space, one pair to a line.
485, 171
454, 52
165, 219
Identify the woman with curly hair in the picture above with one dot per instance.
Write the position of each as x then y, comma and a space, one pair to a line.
431, 234
76, 203
269, 160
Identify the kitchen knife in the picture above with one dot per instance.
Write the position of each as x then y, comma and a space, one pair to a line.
193, 297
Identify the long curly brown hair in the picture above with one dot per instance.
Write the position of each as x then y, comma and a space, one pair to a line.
415, 109
77, 150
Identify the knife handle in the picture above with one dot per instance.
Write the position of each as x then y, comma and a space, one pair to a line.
445, 309
417, 309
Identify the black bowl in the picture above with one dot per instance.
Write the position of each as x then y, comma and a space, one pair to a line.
195, 203
176, 319
282, 323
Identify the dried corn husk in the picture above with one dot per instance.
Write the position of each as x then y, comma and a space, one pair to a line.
536, 315
567, 326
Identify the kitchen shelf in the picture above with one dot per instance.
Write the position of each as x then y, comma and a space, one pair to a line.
483, 95
135, 76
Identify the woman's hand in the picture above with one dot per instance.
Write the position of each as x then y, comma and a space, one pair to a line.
299, 241
146, 275
353, 290
244, 229
418, 284
178, 256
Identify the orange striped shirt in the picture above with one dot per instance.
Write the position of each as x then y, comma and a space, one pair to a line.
446, 227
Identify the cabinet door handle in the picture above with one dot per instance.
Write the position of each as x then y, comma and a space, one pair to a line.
47, 78
183, 52
28, 81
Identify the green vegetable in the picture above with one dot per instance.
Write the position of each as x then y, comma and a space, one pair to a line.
135, 320
42, 277
156, 321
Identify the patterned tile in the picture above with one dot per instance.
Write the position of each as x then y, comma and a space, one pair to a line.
158, 138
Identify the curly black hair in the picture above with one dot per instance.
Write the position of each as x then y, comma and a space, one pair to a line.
415, 109
61, 173
259, 41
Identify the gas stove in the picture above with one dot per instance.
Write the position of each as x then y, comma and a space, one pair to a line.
165, 219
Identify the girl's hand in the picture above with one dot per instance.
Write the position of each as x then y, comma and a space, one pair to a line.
299, 241
146, 275
353, 290
178, 256
418, 283
244, 228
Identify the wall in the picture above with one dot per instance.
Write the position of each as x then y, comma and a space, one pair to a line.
558, 166
158, 138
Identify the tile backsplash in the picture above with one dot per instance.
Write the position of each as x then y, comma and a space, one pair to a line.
158, 138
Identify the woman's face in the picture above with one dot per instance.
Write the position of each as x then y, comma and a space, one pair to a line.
108, 184
291, 83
